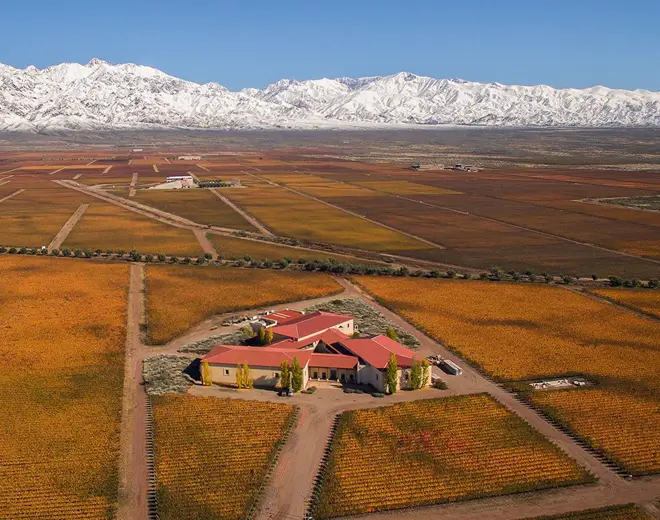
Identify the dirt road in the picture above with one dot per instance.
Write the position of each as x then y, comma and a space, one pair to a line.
18, 192
67, 227
133, 473
206, 244
131, 186
258, 225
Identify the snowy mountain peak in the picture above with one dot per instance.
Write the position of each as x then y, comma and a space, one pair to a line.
100, 95
95, 62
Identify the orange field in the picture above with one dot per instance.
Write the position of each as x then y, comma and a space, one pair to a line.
434, 451
212, 454
183, 296
621, 425
106, 226
62, 325
643, 299
625, 512
519, 332
235, 248
294, 215
199, 205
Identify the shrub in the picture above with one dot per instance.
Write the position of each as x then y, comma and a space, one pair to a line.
3, 249
98, 251
149, 258
439, 384
358, 391
451, 273
208, 256
121, 252
186, 260
594, 277
653, 283
200, 260
567, 279
66, 252
22, 251
615, 281
548, 278
110, 252
349, 390
378, 394
161, 257
13, 250
483, 276
55, 252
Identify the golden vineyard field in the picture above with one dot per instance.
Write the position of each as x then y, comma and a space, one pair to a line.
62, 329
643, 299
622, 426
625, 512
183, 296
517, 332
212, 454
434, 451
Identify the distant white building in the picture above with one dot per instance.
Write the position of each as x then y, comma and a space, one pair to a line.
189, 158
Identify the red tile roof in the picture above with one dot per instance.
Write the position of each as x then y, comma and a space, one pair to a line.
284, 316
333, 361
329, 337
376, 351
254, 356
310, 324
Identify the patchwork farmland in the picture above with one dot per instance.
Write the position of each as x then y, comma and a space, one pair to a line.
118, 281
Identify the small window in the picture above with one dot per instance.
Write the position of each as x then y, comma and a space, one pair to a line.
226, 371
376, 377
276, 375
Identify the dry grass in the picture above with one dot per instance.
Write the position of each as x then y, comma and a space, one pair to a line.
519, 332
293, 215
62, 325
180, 297
106, 226
642, 299
434, 451
212, 454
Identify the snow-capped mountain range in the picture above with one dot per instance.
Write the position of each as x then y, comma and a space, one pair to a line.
99, 96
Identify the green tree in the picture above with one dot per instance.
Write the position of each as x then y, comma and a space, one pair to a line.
415, 374
269, 336
426, 369
296, 376
391, 333
262, 336
247, 332
392, 374
285, 375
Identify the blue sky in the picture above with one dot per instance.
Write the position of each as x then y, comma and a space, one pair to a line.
562, 43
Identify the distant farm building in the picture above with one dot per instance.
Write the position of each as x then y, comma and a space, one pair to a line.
189, 158
322, 343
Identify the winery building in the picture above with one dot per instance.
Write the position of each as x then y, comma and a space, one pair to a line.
322, 343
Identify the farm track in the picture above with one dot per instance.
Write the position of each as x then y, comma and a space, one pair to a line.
131, 186
155, 168
604, 299
67, 227
133, 471
349, 212
107, 169
205, 243
4, 181
56, 171
202, 167
252, 220
18, 192
77, 176
503, 222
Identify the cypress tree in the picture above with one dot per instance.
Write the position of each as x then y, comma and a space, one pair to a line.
391, 375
